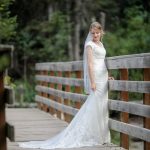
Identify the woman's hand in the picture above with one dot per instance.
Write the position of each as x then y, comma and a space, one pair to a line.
93, 86
110, 78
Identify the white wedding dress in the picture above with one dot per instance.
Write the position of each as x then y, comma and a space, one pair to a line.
90, 125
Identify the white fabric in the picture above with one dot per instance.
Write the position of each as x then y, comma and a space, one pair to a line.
90, 125
85, 65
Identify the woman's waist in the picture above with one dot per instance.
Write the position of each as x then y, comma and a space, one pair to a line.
99, 66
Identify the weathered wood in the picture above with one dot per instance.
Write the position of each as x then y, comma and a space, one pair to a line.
9, 95
56, 105
46, 109
131, 86
67, 95
78, 88
116, 62
59, 99
129, 61
40, 105
124, 138
34, 125
67, 117
130, 107
60, 80
146, 101
52, 110
135, 131
6, 47
10, 131
60, 66
2, 115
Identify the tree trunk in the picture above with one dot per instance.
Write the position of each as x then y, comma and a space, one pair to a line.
70, 44
77, 30
50, 11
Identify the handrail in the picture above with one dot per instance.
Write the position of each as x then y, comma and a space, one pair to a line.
6, 129
60, 92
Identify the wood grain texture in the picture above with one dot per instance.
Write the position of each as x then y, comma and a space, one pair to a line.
63, 94
60, 80
130, 107
56, 105
10, 131
32, 124
135, 131
131, 86
129, 61
116, 62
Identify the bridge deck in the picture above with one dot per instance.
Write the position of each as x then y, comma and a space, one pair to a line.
34, 124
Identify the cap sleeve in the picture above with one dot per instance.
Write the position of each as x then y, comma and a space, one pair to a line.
90, 44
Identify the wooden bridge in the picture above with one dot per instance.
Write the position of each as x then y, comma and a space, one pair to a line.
60, 94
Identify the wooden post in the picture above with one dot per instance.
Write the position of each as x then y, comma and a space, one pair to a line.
39, 93
78, 89
59, 100
3, 145
51, 109
45, 107
146, 101
40, 105
124, 138
67, 117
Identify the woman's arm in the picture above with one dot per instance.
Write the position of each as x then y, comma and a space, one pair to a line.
90, 67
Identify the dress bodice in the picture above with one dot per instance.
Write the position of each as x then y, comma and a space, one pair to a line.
99, 53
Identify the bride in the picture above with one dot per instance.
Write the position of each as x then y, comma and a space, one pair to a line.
90, 125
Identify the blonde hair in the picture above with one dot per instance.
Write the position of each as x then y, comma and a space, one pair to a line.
98, 26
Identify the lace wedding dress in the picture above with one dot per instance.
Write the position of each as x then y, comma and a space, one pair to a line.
90, 125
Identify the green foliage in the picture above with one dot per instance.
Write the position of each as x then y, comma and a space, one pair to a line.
134, 38
8, 81
115, 137
25, 91
7, 23
45, 40
4, 62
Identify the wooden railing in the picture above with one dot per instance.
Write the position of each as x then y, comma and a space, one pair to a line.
60, 92
6, 129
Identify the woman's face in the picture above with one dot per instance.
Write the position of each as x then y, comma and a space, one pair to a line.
95, 34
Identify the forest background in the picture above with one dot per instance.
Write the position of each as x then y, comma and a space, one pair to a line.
55, 30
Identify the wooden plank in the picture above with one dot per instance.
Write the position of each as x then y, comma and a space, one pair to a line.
78, 89
2, 115
135, 131
129, 61
60, 66
67, 95
67, 117
124, 138
9, 95
146, 101
59, 99
51, 110
60, 80
130, 107
131, 86
116, 62
56, 105
6, 47
10, 131
45, 108
34, 125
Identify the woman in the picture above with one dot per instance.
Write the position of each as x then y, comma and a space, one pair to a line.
90, 125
